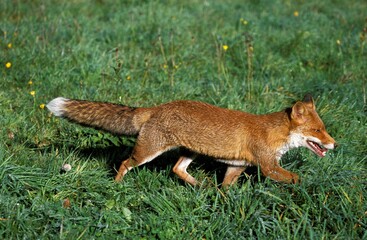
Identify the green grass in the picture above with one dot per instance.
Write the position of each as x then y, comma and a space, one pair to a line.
143, 53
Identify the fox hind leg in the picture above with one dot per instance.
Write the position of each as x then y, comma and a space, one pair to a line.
180, 169
139, 157
125, 166
150, 143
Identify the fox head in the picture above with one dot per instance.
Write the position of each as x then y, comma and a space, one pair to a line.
308, 130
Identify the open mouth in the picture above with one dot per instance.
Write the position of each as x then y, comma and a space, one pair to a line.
317, 148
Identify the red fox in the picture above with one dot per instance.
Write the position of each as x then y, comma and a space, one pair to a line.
236, 138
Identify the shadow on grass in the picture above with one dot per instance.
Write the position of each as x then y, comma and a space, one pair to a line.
115, 155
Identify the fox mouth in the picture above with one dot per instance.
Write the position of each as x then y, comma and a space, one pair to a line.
317, 148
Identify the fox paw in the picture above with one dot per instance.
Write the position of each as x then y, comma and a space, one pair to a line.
295, 178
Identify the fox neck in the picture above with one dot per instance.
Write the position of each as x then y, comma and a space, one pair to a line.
293, 141
281, 134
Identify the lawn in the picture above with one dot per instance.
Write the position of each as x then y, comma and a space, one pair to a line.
255, 56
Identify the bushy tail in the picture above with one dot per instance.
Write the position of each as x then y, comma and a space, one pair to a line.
110, 117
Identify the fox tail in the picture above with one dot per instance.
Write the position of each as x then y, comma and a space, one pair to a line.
114, 118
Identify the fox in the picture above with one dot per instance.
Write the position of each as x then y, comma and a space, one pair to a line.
236, 138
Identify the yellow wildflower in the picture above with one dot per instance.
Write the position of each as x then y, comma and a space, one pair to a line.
30, 82
225, 47
128, 77
296, 13
8, 65
42, 106
33, 93
243, 21
10, 45
165, 66
338, 42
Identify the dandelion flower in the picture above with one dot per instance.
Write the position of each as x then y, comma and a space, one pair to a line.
42, 106
338, 42
8, 65
33, 93
10, 45
165, 66
225, 47
296, 13
128, 77
30, 82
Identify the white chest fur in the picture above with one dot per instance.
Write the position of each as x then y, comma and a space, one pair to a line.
295, 140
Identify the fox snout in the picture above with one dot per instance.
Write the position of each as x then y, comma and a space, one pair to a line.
320, 147
330, 143
330, 146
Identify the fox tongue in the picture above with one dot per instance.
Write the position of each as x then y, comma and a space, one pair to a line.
320, 151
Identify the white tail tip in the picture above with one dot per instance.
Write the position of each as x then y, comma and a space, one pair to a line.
56, 106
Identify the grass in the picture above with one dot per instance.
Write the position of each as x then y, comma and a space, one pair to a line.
143, 53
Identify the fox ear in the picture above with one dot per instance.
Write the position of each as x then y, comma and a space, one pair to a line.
299, 112
308, 100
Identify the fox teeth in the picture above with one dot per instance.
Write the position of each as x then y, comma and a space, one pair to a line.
317, 148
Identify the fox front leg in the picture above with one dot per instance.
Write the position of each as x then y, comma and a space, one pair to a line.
279, 174
232, 175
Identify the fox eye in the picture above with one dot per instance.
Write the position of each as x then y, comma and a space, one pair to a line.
317, 130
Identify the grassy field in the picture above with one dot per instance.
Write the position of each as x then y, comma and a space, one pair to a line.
256, 56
